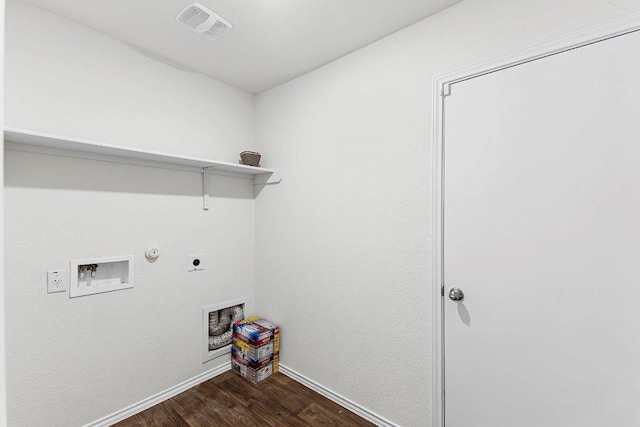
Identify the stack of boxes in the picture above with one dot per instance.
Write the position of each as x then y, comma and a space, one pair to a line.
256, 348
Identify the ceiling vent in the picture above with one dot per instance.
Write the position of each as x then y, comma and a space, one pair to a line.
204, 22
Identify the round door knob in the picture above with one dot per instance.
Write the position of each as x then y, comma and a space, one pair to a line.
456, 294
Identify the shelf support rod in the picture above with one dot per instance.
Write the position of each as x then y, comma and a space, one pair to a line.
206, 184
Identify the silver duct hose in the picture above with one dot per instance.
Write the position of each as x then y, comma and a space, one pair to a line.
219, 321
221, 326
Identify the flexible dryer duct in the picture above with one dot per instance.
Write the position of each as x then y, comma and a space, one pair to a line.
221, 326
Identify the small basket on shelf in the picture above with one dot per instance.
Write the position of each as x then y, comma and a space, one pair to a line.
250, 158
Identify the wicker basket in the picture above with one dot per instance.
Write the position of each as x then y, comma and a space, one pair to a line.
250, 158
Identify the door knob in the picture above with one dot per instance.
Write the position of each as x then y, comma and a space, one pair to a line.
456, 294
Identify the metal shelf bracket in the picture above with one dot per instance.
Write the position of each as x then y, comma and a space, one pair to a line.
206, 184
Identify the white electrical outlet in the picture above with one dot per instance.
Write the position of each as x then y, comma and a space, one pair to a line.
56, 281
196, 262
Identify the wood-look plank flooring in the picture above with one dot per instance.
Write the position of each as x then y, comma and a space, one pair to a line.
229, 400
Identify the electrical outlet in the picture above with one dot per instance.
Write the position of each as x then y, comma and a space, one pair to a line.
56, 281
196, 262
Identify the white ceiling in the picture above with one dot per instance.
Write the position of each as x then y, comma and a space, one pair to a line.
272, 41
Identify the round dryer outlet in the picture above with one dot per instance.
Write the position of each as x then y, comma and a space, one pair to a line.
152, 253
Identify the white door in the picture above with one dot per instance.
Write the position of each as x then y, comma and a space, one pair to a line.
542, 235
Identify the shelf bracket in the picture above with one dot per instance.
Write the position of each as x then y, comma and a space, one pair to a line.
267, 178
206, 184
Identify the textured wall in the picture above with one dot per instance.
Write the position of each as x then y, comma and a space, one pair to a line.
344, 245
72, 361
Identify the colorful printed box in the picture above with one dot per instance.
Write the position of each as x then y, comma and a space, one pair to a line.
254, 330
256, 347
255, 375
274, 358
251, 354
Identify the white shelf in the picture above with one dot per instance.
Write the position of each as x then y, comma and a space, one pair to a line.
23, 140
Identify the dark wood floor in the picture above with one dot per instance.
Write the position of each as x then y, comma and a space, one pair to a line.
229, 400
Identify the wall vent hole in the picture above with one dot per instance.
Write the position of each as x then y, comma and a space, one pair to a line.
218, 327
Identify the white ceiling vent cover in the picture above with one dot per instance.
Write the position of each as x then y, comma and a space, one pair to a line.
204, 22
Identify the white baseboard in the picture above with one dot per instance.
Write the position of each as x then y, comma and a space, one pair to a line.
340, 400
158, 398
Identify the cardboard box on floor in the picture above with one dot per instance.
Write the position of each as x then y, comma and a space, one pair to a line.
257, 372
256, 348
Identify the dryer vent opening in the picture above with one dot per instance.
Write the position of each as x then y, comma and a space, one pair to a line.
203, 21
217, 328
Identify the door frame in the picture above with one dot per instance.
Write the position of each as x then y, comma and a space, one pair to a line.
442, 86
3, 366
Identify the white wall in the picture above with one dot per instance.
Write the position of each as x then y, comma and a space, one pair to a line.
72, 361
66, 79
344, 245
